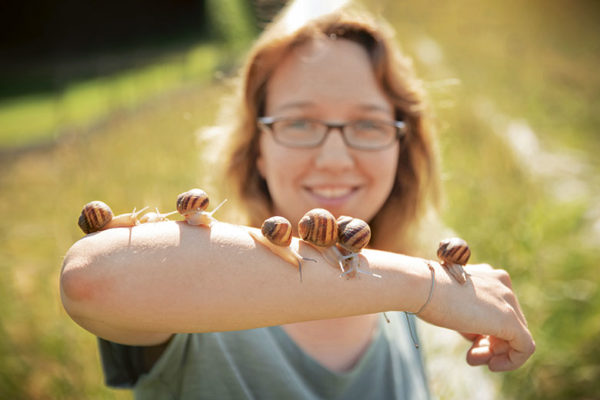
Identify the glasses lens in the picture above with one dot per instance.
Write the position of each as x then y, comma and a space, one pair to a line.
369, 134
298, 132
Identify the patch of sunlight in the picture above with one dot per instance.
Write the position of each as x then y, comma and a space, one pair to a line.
449, 375
428, 51
567, 176
565, 173
301, 11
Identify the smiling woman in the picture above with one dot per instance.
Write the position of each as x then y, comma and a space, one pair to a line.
332, 175
311, 76
207, 312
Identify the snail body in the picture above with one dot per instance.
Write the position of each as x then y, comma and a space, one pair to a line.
155, 217
276, 235
191, 205
454, 253
97, 215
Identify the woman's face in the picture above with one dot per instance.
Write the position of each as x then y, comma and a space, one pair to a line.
333, 81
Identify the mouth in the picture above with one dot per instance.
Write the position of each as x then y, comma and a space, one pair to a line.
331, 195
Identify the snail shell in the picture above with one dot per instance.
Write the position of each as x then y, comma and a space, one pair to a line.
353, 233
342, 221
94, 216
277, 237
454, 251
319, 227
97, 216
194, 200
278, 230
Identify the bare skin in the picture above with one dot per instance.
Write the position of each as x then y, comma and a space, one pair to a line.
140, 285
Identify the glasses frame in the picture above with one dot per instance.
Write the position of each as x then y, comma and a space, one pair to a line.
267, 122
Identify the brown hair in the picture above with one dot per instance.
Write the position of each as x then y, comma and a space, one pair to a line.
416, 184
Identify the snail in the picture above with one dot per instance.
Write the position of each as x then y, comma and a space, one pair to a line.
97, 215
353, 235
277, 237
454, 253
191, 205
155, 216
339, 241
319, 228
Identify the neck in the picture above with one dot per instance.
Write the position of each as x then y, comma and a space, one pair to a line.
337, 343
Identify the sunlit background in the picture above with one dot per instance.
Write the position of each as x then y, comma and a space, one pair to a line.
105, 101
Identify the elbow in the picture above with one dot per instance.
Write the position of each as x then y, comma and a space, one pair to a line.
78, 282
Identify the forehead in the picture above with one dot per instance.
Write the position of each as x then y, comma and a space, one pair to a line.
325, 73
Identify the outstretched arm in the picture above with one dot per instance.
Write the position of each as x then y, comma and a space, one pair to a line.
139, 285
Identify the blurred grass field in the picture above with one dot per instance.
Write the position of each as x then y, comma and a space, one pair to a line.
515, 93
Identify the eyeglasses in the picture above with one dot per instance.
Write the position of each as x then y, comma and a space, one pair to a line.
308, 133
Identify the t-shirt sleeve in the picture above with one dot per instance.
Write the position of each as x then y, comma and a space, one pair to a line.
122, 364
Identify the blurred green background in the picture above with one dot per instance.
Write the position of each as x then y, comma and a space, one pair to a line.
515, 90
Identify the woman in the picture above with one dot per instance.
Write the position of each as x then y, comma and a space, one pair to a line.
329, 116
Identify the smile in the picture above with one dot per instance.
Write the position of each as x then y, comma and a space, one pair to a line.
332, 193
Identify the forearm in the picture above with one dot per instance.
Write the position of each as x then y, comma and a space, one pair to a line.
171, 277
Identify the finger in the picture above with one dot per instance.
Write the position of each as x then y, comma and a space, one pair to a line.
471, 337
498, 346
479, 356
480, 352
485, 349
507, 361
518, 352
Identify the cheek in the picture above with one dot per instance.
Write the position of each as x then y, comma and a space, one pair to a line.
383, 170
278, 166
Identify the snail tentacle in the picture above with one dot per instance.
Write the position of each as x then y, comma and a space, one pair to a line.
156, 216
202, 218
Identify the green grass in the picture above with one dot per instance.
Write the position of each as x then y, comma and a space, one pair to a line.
33, 118
530, 62
518, 58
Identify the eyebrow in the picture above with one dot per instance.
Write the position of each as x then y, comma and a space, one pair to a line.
303, 104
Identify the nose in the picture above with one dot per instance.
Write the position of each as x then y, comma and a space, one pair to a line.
333, 153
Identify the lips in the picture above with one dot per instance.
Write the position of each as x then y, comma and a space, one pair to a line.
331, 197
331, 192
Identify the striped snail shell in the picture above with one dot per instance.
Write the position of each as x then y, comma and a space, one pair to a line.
94, 216
319, 227
454, 251
278, 230
192, 201
353, 233
342, 221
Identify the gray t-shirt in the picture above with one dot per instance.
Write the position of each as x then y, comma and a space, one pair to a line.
266, 363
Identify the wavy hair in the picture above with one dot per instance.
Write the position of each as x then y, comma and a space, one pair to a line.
416, 185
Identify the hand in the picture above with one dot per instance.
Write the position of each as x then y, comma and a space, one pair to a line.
491, 351
488, 309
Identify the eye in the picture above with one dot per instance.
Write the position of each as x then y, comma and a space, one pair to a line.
296, 124
370, 127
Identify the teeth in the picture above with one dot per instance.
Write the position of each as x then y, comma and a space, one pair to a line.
331, 193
